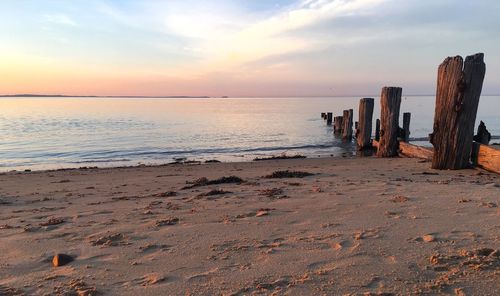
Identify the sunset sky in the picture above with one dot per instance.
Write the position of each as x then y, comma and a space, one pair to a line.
240, 47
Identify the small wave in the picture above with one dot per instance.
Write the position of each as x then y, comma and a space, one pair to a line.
110, 156
101, 160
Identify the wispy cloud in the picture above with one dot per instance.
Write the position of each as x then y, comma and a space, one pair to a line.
251, 46
60, 19
230, 40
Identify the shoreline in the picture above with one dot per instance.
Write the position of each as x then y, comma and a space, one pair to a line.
357, 225
187, 162
343, 155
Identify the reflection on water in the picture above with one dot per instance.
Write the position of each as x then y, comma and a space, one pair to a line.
41, 133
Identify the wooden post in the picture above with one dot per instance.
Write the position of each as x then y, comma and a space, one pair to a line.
483, 135
364, 134
337, 125
406, 127
329, 118
377, 130
390, 101
459, 88
323, 115
347, 125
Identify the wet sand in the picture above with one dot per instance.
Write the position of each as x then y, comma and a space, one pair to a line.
357, 226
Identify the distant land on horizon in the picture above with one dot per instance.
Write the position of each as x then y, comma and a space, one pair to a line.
94, 96
201, 97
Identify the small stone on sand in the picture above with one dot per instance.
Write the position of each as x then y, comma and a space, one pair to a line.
261, 213
429, 238
61, 260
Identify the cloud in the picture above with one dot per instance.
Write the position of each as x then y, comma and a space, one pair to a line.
60, 19
251, 46
230, 38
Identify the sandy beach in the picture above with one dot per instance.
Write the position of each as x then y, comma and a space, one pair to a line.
356, 226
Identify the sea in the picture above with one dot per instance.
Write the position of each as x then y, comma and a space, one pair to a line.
62, 132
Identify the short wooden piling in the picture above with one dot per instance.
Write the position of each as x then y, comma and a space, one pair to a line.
329, 118
389, 121
363, 136
337, 125
377, 130
483, 136
323, 115
347, 125
406, 127
457, 99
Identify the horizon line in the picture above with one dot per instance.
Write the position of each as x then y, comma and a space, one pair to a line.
203, 97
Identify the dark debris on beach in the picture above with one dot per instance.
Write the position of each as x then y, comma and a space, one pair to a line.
279, 157
288, 174
205, 182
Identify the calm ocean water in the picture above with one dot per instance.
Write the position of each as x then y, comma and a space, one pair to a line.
48, 133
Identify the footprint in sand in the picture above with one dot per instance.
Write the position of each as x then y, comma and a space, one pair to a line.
457, 236
8, 291
147, 280
400, 199
109, 240
154, 247
167, 222
201, 276
364, 234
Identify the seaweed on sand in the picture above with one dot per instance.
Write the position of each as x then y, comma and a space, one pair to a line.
288, 174
205, 182
283, 156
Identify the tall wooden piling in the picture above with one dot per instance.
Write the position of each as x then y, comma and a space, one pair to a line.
377, 130
364, 133
406, 127
459, 88
347, 125
337, 125
390, 102
329, 118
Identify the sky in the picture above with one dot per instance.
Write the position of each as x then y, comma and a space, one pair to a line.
240, 47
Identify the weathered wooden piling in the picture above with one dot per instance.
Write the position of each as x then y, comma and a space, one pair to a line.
347, 125
337, 125
459, 88
377, 130
364, 128
483, 136
323, 115
406, 127
389, 121
329, 118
